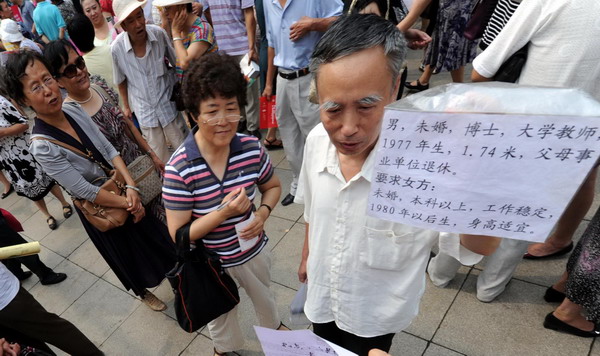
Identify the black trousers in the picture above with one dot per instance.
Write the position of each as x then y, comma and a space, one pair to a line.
358, 345
28, 318
9, 237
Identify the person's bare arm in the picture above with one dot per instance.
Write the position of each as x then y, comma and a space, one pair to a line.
306, 24
13, 130
45, 39
481, 244
208, 17
143, 144
123, 92
61, 33
185, 56
415, 11
476, 77
251, 30
271, 71
302, 277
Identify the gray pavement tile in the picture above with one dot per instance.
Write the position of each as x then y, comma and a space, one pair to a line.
277, 156
164, 292
21, 208
8, 202
511, 325
36, 227
276, 228
284, 164
67, 238
101, 310
286, 257
111, 278
546, 272
437, 350
543, 272
57, 351
88, 257
201, 346
595, 348
146, 332
58, 297
247, 317
407, 345
434, 305
292, 211
50, 259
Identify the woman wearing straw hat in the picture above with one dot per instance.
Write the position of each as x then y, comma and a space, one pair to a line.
193, 36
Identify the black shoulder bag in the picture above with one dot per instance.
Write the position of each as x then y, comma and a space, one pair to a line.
203, 291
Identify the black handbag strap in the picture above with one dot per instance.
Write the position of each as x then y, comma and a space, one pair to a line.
182, 241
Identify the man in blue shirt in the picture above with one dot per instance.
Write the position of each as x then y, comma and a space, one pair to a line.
48, 21
26, 8
293, 29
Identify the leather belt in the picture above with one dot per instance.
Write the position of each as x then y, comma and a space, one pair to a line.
296, 74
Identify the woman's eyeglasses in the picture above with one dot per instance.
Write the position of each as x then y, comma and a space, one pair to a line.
213, 120
71, 70
39, 88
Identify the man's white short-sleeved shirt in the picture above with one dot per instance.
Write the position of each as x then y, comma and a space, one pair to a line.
366, 274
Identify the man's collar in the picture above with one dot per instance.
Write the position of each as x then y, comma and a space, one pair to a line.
193, 152
330, 162
150, 38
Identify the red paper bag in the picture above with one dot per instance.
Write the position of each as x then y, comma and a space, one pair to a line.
267, 113
12, 222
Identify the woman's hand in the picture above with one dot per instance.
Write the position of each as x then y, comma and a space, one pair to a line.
134, 201
256, 226
178, 23
237, 206
158, 164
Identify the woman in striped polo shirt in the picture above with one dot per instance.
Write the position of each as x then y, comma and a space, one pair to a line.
212, 180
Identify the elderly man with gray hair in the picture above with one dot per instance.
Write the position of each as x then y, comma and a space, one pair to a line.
365, 276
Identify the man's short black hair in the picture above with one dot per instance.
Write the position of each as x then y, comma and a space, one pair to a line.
82, 32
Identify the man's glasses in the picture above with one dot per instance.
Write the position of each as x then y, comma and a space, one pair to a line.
213, 120
71, 70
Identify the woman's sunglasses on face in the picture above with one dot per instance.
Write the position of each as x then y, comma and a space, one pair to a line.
71, 70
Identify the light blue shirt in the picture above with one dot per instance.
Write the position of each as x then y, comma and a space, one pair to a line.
295, 55
48, 20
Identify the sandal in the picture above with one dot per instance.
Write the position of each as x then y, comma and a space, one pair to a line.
51, 223
153, 302
275, 144
416, 87
10, 190
217, 353
67, 211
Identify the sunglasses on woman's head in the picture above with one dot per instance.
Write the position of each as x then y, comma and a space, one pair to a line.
71, 70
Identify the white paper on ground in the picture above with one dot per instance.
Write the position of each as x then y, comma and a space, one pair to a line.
296, 342
245, 244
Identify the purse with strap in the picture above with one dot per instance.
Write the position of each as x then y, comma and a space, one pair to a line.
203, 290
481, 15
102, 217
142, 169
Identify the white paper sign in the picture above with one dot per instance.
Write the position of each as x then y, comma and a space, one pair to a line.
487, 174
296, 343
245, 244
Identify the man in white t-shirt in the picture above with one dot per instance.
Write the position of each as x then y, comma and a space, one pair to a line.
365, 276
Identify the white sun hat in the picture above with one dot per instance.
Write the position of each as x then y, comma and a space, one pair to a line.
124, 8
9, 31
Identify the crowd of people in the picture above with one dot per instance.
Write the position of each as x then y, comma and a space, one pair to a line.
107, 82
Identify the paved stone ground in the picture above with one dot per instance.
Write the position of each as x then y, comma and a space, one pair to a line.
451, 321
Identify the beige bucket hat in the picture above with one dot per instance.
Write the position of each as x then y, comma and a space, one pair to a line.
124, 8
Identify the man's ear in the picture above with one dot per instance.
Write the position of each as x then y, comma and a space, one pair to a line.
397, 85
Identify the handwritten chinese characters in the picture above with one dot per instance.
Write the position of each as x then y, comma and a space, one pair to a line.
503, 175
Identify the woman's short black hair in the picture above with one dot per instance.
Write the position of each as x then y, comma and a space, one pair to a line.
14, 70
57, 54
210, 76
82, 33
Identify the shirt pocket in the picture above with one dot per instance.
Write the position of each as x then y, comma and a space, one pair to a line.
388, 249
